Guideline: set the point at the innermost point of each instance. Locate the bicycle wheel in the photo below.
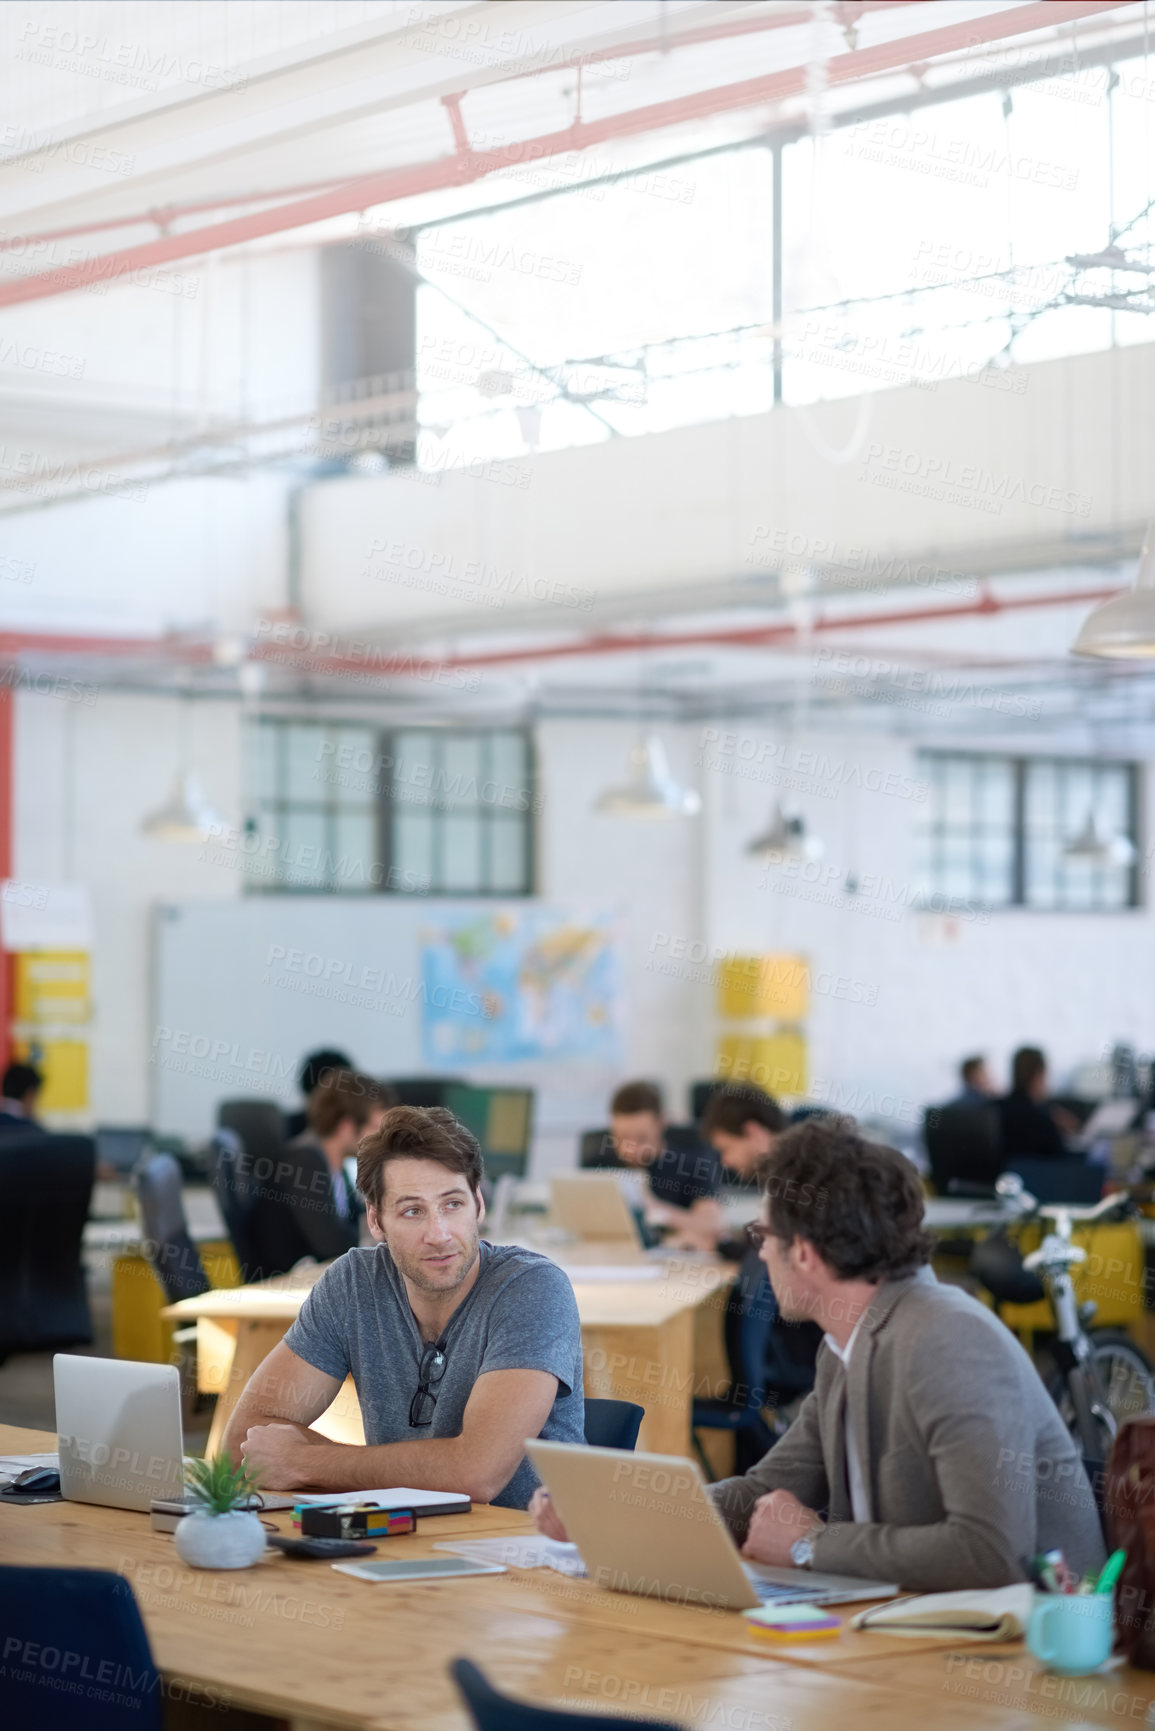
(1125, 1374)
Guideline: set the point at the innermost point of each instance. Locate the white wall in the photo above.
(85, 778)
(959, 469)
(896, 1000)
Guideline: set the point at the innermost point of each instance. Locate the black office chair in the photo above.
(763, 1370)
(700, 1096)
(236, 1190)
(168, 1243)
(1074, 1180)
(963, 1146)
(613, 1424)
(496, 1712)
(595, 1148)
(260, 1124)
(45, 1192)
(91, 1617)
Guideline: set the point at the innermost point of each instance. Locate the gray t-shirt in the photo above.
(520, 1315)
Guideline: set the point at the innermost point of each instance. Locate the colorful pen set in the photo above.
(1051, 1573)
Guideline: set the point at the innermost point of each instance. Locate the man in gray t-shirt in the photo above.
(459, 1349)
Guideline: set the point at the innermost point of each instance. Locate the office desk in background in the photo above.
(651, 1338)
(328, 1653)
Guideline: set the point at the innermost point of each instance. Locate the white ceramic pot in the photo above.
(232, 1541)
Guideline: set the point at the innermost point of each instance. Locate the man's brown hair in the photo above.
(636, 1097)
(345, 1094)
(859, 1203)
(417, 1133)
(731, 1108)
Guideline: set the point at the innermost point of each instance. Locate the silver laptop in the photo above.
(119, 1434)
(645, 1524)
(592, 1205)
(118, 1430)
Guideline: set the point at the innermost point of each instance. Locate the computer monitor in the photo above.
(502, 1121)
(121, 1147)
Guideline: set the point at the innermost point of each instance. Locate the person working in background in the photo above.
(1026, 1124)
(741, 1122)
(459, 1349)
(977, 1088)
(929, 1441)
(683, 1174)
(315, 1069)
(311, 1209)
(20, 1091)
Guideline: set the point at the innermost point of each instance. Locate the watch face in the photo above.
(802, 1553)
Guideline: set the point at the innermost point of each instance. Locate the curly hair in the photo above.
(859, 1203)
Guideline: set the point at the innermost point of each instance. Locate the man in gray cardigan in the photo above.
(929, 1452)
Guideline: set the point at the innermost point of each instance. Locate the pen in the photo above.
(1112, 1569)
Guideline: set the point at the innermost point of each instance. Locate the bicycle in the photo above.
(1097, 1377)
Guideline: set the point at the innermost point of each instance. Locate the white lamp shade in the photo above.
(187, 817)
(1099, 845)
(785, 839)
(1124, 627)
(651, 790)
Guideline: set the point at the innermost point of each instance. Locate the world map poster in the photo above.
(516, 984)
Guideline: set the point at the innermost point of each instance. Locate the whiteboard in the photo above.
(243, 989)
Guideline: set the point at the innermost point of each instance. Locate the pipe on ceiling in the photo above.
(183, 651)
(469, 166)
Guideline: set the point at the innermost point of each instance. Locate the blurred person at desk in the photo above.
(19, 1093)
(317, 1068)
(930, 1453)
(459, 1349)
(742, 1123)
(311, 1209)
(977, 1088)
(1027, 1124)
(682, 1172)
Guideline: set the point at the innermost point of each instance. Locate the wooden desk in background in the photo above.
(325, 1652)
(653, 1339)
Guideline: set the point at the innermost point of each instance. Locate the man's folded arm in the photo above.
(284, 1389)
(793, 1464)
(505, 1407)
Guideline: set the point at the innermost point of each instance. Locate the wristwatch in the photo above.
(802, 1550)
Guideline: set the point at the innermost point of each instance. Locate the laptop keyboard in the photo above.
(773, 1592)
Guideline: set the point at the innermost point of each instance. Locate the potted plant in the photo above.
(219, 1533)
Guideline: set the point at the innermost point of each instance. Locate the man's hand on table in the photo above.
(546, 1516)
(779, 1521)
(283, 1455)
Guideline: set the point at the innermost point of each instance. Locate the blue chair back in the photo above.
(236, 1191)
(613, 1424)
(168, 1243)
(496, 1712)
(82, 1662)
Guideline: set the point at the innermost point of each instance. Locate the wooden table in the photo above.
(653, 1340)
(329, 1653)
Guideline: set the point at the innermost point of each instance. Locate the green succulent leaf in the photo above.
(216, 1485)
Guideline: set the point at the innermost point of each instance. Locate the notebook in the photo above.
(998, 1615)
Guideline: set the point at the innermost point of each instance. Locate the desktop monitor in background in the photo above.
(502, 1121)
(120, 1148)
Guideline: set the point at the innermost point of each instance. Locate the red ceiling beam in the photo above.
(469, 166)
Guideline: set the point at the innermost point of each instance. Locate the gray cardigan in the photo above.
(969, 1468)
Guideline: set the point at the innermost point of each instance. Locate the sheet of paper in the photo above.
(520, 1553)
(397, 1496)
(10, 1465)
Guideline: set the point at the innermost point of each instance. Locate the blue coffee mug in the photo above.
(1072, 1633)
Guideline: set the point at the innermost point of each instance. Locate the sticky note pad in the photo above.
(792, 1623)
